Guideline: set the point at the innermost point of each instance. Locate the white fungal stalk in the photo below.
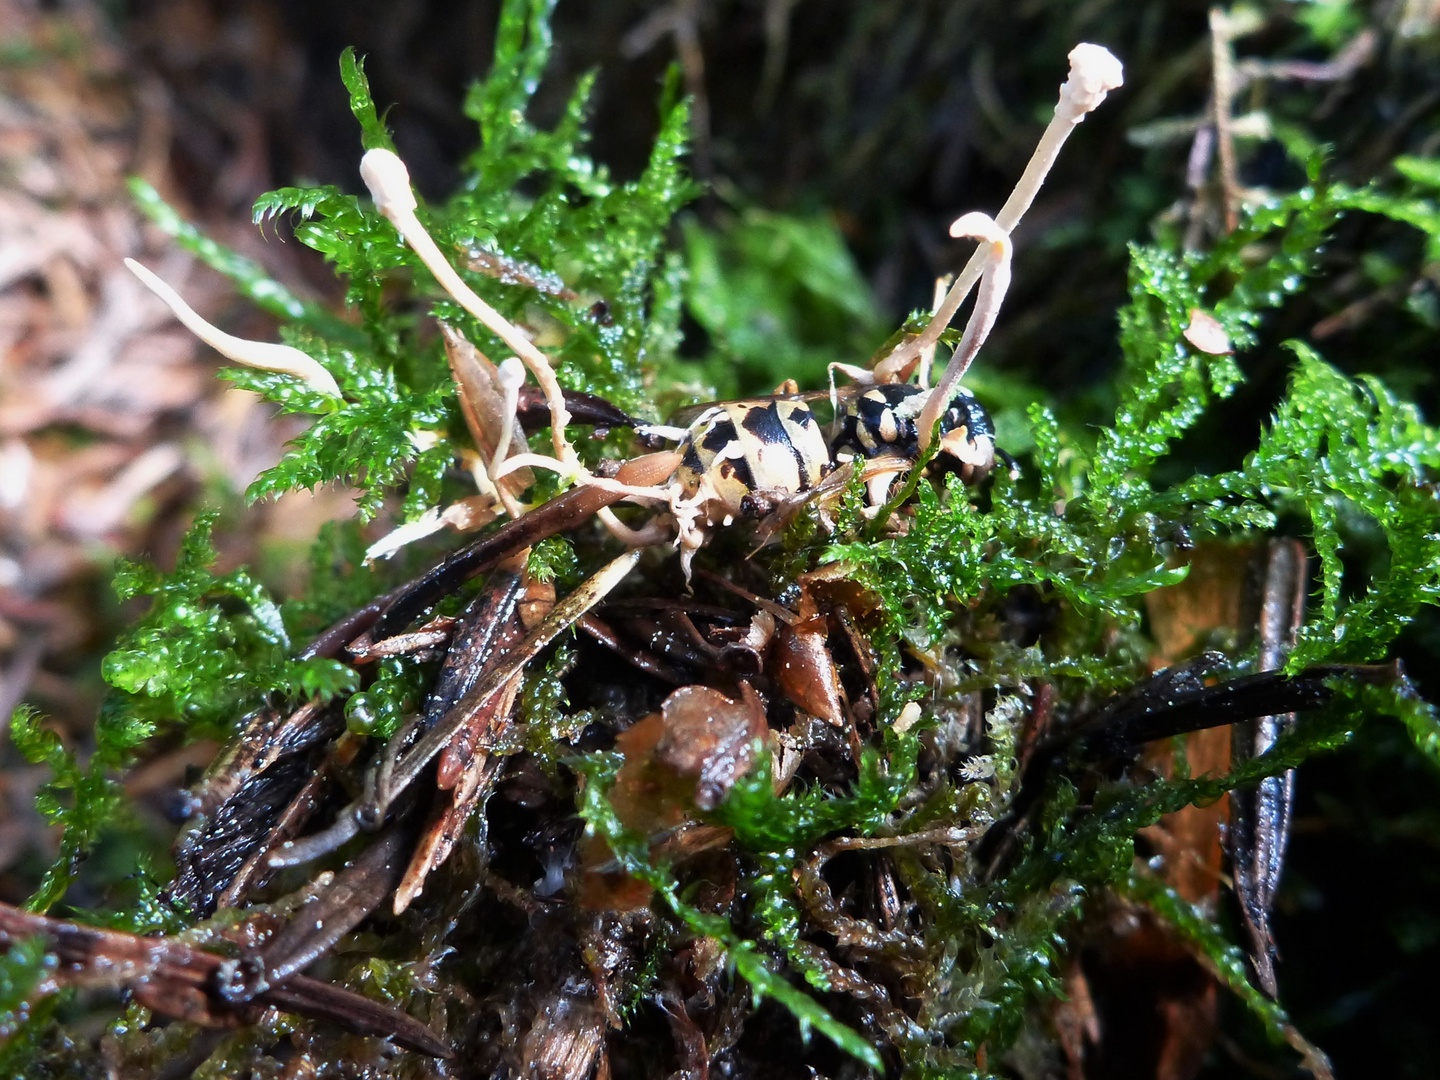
(511, 376)
(927, 354)
(681, 509)
(265, 355)
(1094, 72)
(389, 183)
(994, 256)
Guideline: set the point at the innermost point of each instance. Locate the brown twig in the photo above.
(1222, 61)
(180, 981)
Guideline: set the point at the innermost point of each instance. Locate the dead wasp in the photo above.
(881, 421)
(735, 452)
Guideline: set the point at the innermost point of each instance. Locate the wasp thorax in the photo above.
(742, 448)
(882, 421)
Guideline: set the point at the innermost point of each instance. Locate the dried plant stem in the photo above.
(1223, 64)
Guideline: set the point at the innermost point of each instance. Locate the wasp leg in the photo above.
(655, 531)
(561, 513)
(617, 528)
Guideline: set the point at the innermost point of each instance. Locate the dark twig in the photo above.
(179, 980)
(1260, 816)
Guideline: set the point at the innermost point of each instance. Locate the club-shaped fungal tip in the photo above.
(511, 373)
(388, 180)
(978, 226)
(1094, 72)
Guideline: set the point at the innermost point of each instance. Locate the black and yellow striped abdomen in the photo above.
(743, 447)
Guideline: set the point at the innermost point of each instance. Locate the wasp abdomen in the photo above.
(743, 447)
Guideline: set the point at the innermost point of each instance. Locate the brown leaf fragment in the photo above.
(655, 791)
(490, 627)
(564, 1040)
(482, 402)
(689, 1039)
(802, 666)
(450, 812)
(1185, 616)
(465, 776)
(536, 603)
(711, 737)
(433, 634)
(647, 798)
